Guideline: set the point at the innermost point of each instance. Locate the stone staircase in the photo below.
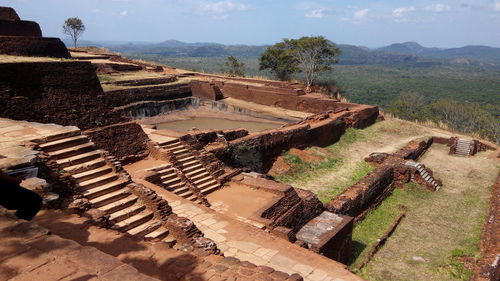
(105, 188)
(424, 174)
(463, 147)
(190, 167)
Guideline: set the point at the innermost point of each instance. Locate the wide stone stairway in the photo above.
(191, 168)
(104, 187)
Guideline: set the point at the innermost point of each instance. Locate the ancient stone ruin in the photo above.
(182, 202)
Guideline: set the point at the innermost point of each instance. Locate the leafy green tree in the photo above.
(409, 106)
(74, 28)
(279, 61)
(233, 67)
(309, 55)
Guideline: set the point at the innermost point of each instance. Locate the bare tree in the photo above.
(313, 55)
(73, 27)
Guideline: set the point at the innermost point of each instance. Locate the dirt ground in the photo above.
(240, 202)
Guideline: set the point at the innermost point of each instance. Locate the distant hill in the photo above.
(399, 54)
(478, 53)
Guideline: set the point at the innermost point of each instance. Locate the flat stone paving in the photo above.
(14, 133)
(28, 252)
(249, 243)
(156, 260)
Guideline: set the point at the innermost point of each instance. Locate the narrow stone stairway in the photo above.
(424, 174)
(463, 148)
(105, 189)
(191, 167)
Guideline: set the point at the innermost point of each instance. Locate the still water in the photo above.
(205, 123)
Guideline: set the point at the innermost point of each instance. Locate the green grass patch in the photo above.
(303, 171)
(350, 137)
(455, 267)
(378, 221)
(360, 171)
(105, 78)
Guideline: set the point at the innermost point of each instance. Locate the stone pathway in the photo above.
(28, 252)
(249, 243)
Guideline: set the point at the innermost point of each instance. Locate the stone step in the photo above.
(91, 174)
(127, 212)
(166, 171)
(194, 172)
(170, 240)
(168, 176)
(202, 186)
(182, 154)
(67, 134)
(134, 221)
(160, 168)
(189, 164)
(198, 176)
(174, 149)
(176, 186)
(86, 166)
(64, 143)
(158, 234)
(119, 205)
(103, 189)
(210, 189)
(72, 151)
(171, 181)
(187, 159)
(145, 228)
(169, 142)
(181, 190)
(110, 198)
(427, 177)
(192, 198)
(186, 194)
(203, 180)
(104, 179)
(79, 159)
(179, 151)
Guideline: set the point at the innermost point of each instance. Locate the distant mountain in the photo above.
(407, 48)
(478, 53)
(399, 54)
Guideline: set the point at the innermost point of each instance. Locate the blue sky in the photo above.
(442, 23)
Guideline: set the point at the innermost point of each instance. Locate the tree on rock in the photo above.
(233, 67)
(309, 55)
(73, 27)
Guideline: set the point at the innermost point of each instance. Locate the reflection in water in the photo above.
(204, 123)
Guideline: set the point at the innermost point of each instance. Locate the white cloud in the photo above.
(222, 7)
(438, 8)
(124, 13)
(361, 14)
(399, 13)
(497, 6)
(318, 13)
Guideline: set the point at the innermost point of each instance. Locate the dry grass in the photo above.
(437, 224)
(10, 59)
(111, 87)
